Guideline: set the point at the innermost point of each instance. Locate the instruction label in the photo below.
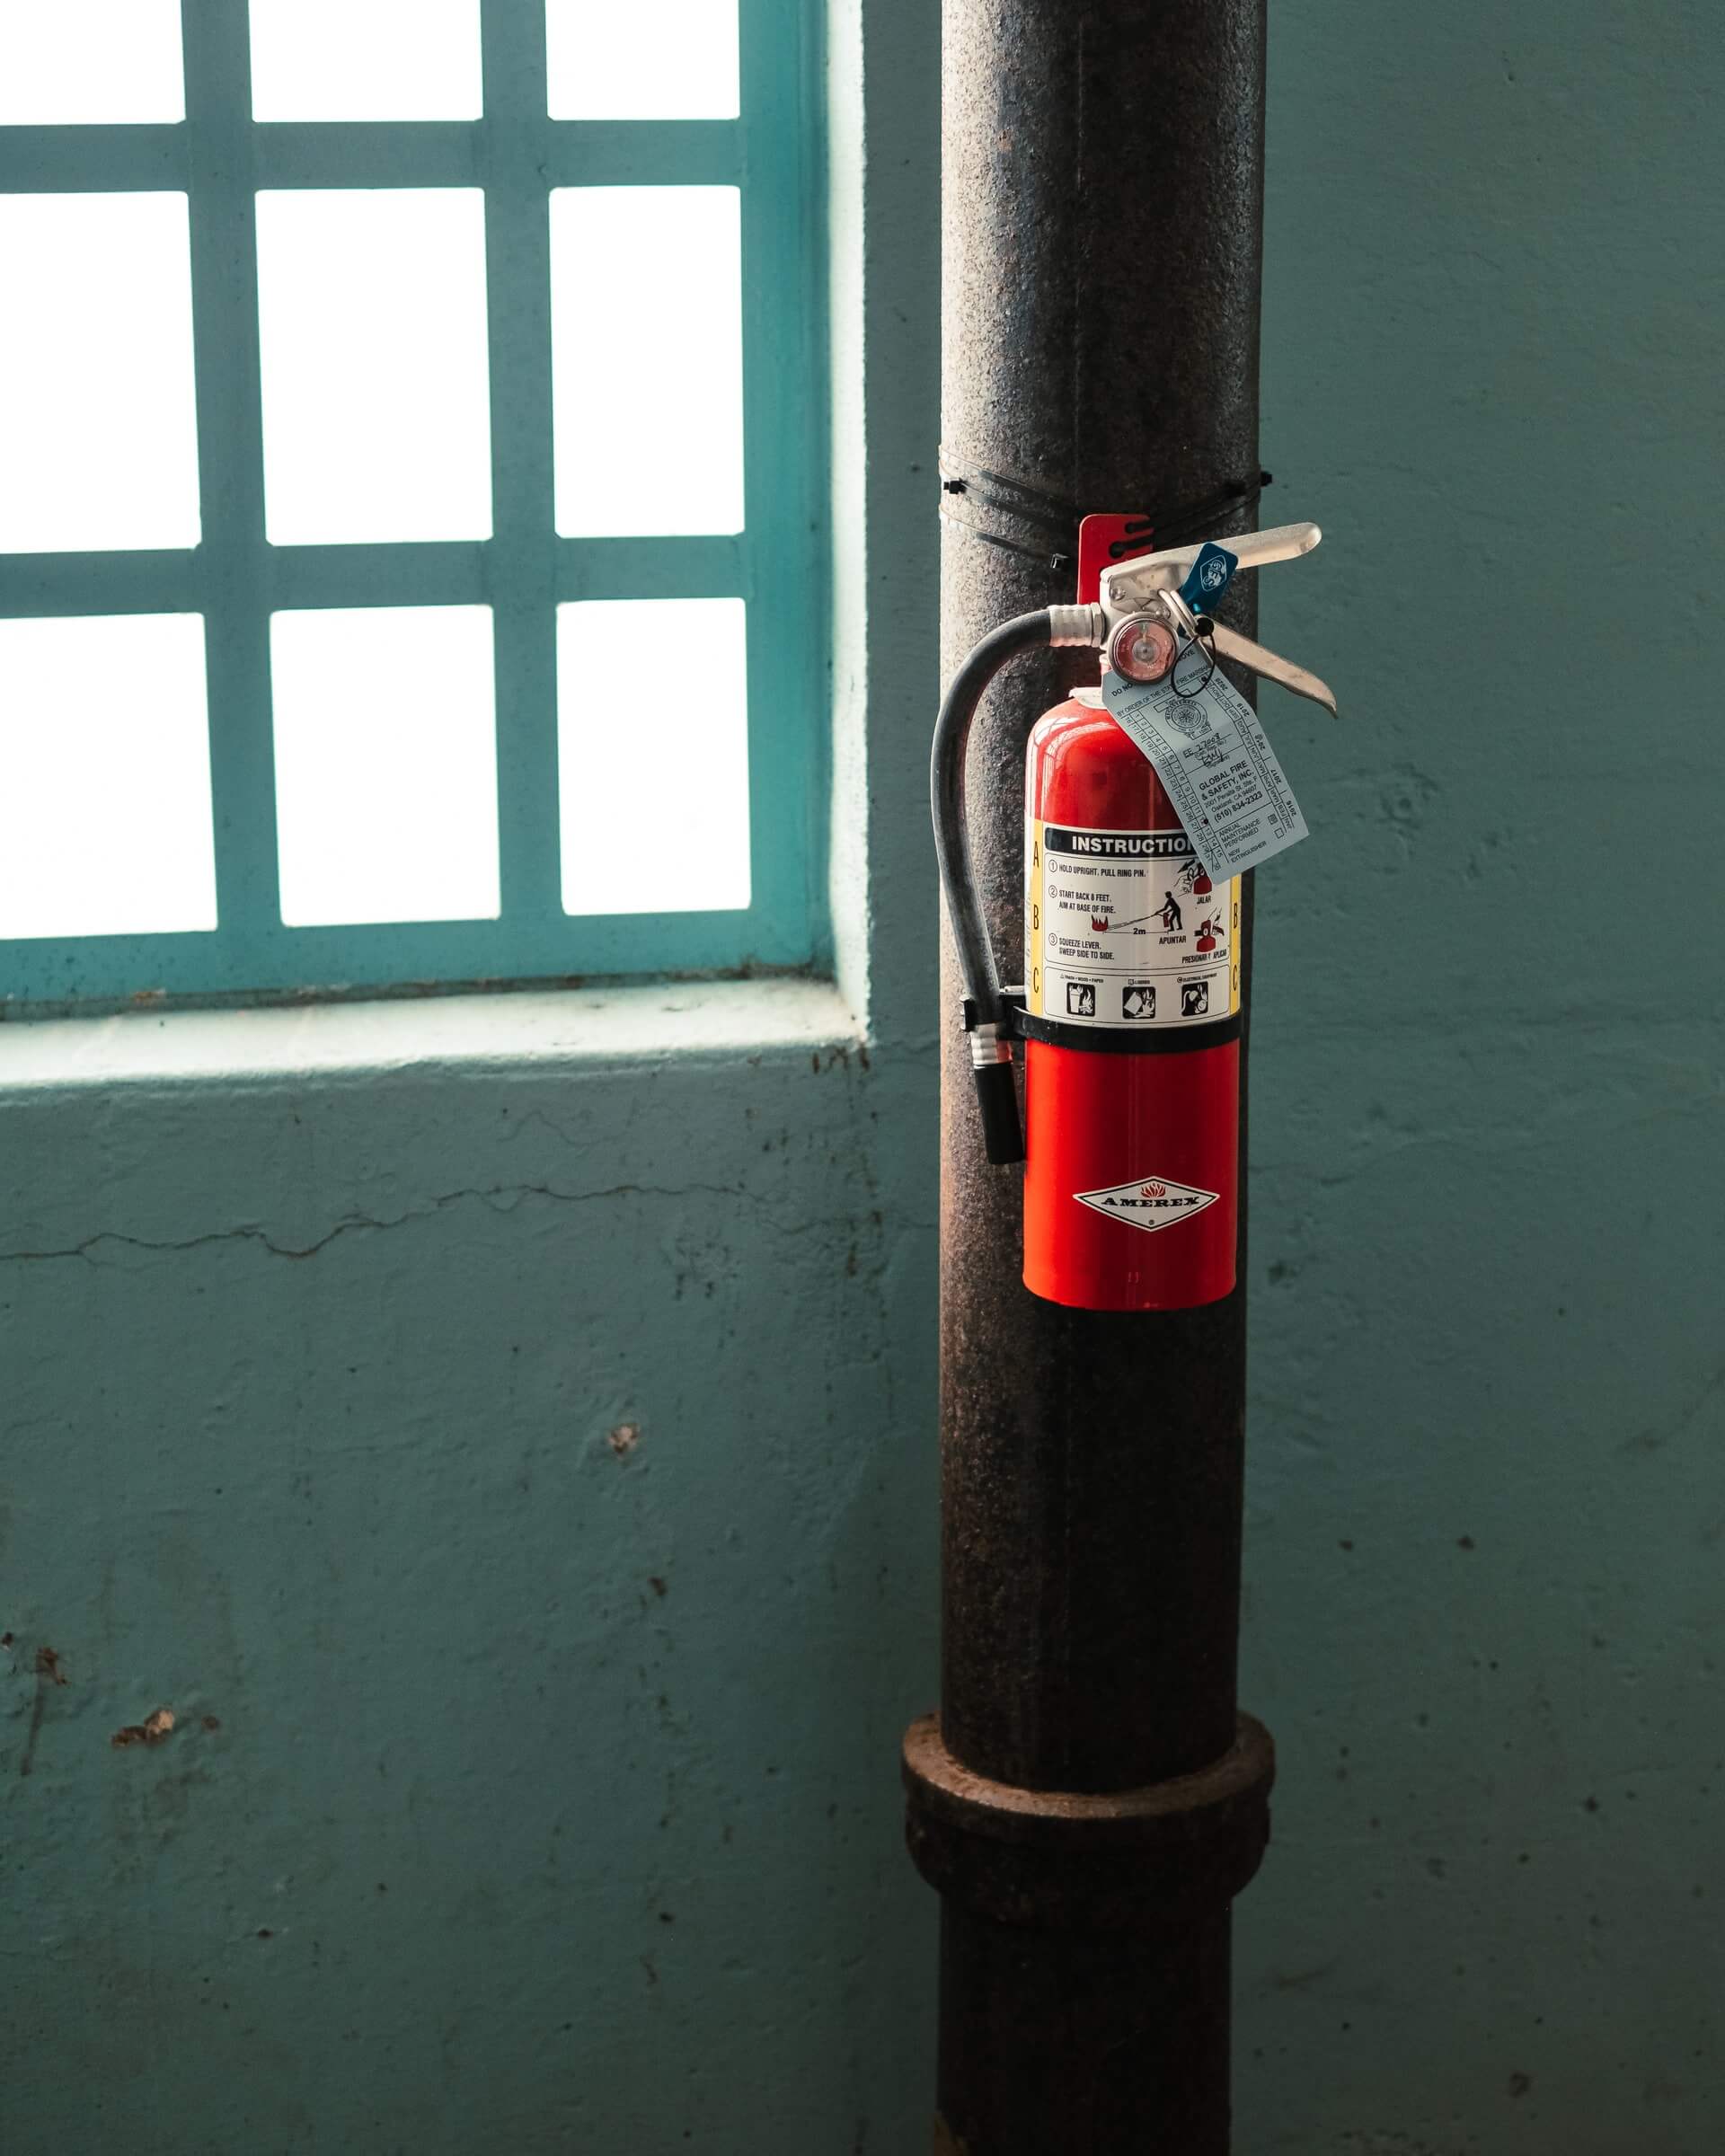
(1219, 770)
(1127, 928)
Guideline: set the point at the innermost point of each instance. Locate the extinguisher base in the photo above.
(1108, 1297)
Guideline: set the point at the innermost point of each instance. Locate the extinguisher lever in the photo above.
(1243, 652)
(1146, 587)
(987, 1012)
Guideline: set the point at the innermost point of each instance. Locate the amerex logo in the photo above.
(1150, 1203)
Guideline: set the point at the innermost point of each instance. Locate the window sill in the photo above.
(525, 1029)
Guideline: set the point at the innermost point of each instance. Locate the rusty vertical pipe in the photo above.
(1088, 1800)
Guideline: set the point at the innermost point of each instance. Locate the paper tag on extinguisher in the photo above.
(1221, 774)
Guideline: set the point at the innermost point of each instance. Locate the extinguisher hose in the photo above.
(988, 1017)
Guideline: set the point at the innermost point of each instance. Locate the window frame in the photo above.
(220, 158)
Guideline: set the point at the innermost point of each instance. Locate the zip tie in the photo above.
(956, 479)
(1055, 561)
(994, 490)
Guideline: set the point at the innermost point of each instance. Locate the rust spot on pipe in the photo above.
(49, 1665)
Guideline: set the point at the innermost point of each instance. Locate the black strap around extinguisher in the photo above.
(1128, 1040)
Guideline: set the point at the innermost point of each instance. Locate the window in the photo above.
(412, 441)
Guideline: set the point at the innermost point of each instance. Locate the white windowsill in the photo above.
(456, 1033)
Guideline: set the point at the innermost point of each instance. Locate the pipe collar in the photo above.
(1058, 1860)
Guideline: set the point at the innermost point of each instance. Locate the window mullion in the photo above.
(785, 449)
(231, 561)
(116, 156)
(521, 559)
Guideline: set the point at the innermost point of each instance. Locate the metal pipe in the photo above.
(1089, 1800)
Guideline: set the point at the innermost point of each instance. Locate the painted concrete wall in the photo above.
(510, 1464)
(1486, 1542)
(502, 1435)
(516, 1483)
(503, 1439)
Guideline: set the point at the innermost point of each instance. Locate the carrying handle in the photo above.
(1125, 584)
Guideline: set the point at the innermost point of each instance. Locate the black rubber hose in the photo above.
(1002, 1135)
(946, 790)
(1003, 1132)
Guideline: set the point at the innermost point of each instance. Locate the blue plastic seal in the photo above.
(1209, 578)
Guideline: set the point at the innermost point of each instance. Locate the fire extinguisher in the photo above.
(1130, 1012)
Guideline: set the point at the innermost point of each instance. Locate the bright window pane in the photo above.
(654, 794)
(104, 770)
(67, 63)
(647, 348)
(98, 430)
(599, 66)
(365, 59)
(385, 764)
(371, 306)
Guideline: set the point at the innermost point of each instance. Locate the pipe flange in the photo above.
(1058, 1860)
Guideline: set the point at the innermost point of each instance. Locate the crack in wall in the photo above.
(491, 1196)
(1659, 1433)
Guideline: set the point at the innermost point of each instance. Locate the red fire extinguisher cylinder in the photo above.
(1132, 1068)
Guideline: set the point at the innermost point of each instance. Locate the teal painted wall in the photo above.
(1486, 1541)
(518, 1486)
(551, 1803)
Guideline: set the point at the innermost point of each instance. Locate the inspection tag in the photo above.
(1215, 766)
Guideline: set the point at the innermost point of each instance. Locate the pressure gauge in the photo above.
(1143, 648)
